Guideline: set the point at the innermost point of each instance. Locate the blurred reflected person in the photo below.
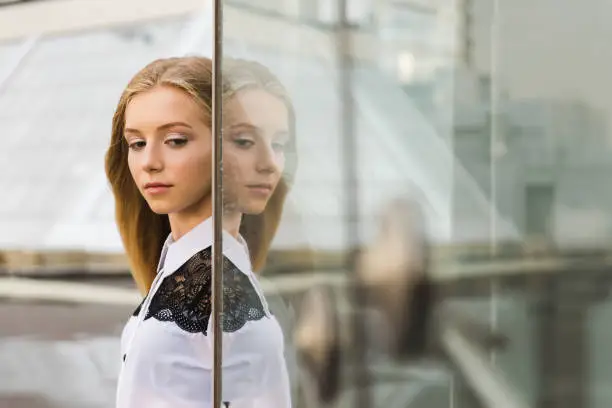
(159, 166)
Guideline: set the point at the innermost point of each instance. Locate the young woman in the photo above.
(159, 166)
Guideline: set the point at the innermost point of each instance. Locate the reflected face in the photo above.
(255, 136)
(170, 150)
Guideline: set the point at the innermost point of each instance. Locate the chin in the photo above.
(254, 209)
(160, 208)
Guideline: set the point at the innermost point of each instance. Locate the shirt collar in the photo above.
(201, 237)
(164, 251)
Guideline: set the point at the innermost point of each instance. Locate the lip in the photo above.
(261, 188)
(156, 188)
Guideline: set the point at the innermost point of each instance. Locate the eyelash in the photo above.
(247, 143)
(279, 146)
(174, 142)
(244, 143)
(134, 145)
(178, 142)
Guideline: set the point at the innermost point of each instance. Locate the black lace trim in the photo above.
(137, 310)
(185, 297)
(241, 302)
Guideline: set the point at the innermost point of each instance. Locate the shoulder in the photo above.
(185, 296)
(242, 298)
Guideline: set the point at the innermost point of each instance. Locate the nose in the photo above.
(268, 160)
(152, 160)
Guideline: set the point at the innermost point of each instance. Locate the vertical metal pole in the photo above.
(349, 150)
(495, 142)
(468, 45)
(451, 391)
(217, 198)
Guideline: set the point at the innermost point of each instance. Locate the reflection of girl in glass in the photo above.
(159, 167)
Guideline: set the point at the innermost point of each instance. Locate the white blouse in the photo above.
(167, 343)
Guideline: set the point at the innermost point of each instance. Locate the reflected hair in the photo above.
(259, 229)
(144, 232)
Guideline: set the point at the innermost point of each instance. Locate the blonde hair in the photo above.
(144, 232)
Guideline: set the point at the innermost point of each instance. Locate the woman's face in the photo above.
(256, 130)
(170, 150)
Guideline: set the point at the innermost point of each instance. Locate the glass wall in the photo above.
(531, 131)
(445, 166)
(490, 115)
(373, 140)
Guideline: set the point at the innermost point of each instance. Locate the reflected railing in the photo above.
(464, 356)
(486, 380)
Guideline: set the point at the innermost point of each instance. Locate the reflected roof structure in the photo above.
(56, 111)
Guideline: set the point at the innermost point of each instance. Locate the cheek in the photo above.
(233, 165)
(280, 162)
(195, 170)
(131, 162)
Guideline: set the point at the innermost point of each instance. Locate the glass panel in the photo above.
(373, 143)
(495, 133)
(538, 148)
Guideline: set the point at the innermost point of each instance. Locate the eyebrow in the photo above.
(243, 124)
(251, 126)
(162, 127)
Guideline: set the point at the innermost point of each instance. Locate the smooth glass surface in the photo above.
(491, 115)
(373, 125)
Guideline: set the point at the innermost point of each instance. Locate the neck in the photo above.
(183, 222)
(231, 223)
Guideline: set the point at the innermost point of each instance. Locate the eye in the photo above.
(136, 145)
(243, 142)
(177, 142)
(279, 147)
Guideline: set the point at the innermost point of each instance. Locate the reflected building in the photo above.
(550, 157)
(539, 100)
